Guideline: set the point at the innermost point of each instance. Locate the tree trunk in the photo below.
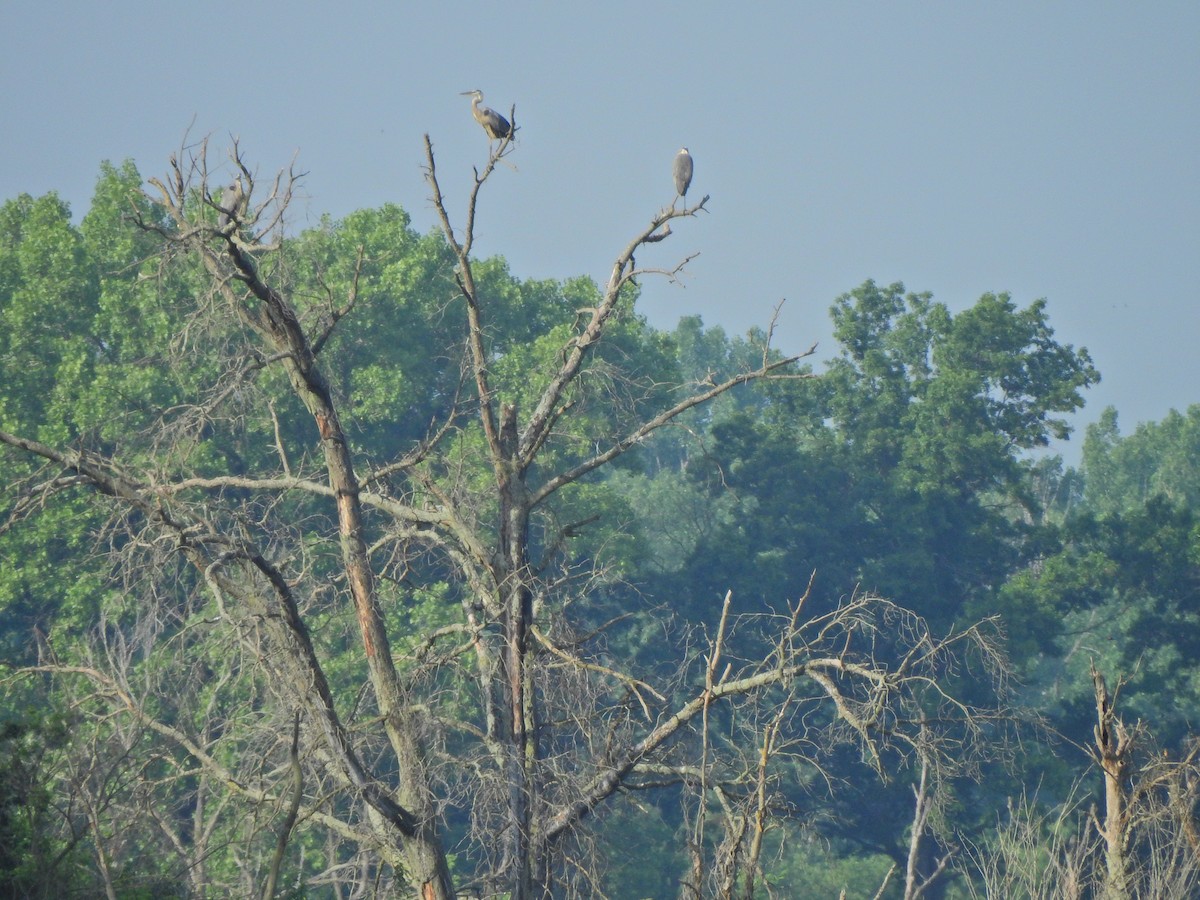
(276, 322)
(517, 595)
(1113, 747)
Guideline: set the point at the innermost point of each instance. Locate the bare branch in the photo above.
(632, 683)
(289, 821)
(640, 434)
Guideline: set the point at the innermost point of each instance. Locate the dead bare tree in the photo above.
(914, 884)
(1138, 842)
(1148, 824)
(509, 710)
(893, 706)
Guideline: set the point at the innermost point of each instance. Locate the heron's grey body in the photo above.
(493, 123)
(231, 201)
(682, 169)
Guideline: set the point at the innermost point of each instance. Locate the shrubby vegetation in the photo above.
(342, 563)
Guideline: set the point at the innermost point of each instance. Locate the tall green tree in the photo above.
(1158, 459)
(1115, 582)
(901, 470)
(1121, 591)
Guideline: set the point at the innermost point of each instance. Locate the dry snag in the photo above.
(472, 750)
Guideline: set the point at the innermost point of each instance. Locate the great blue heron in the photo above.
(682, 170)
(493, 123)
(230, 203)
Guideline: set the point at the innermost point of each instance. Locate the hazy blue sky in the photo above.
(1045, 149)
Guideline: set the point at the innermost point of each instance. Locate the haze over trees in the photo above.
(342, 562)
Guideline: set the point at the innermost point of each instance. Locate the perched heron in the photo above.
(493, 123)
(230, 203)
(682, 170)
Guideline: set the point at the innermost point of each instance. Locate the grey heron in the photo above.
(682, 170)
(230, 204)
(493, 123)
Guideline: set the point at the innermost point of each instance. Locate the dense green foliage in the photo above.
(902, 467)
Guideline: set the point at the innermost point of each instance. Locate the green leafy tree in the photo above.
(1114, 581)
(1122, 592)
(1158, 459)
(37, 860)
(49, 295)
(901, 470)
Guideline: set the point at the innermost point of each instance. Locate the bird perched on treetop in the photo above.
(230, 203)
(493, 123)
(682, 170)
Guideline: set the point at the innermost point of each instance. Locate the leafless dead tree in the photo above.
(1140, 842)
(508, 709)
